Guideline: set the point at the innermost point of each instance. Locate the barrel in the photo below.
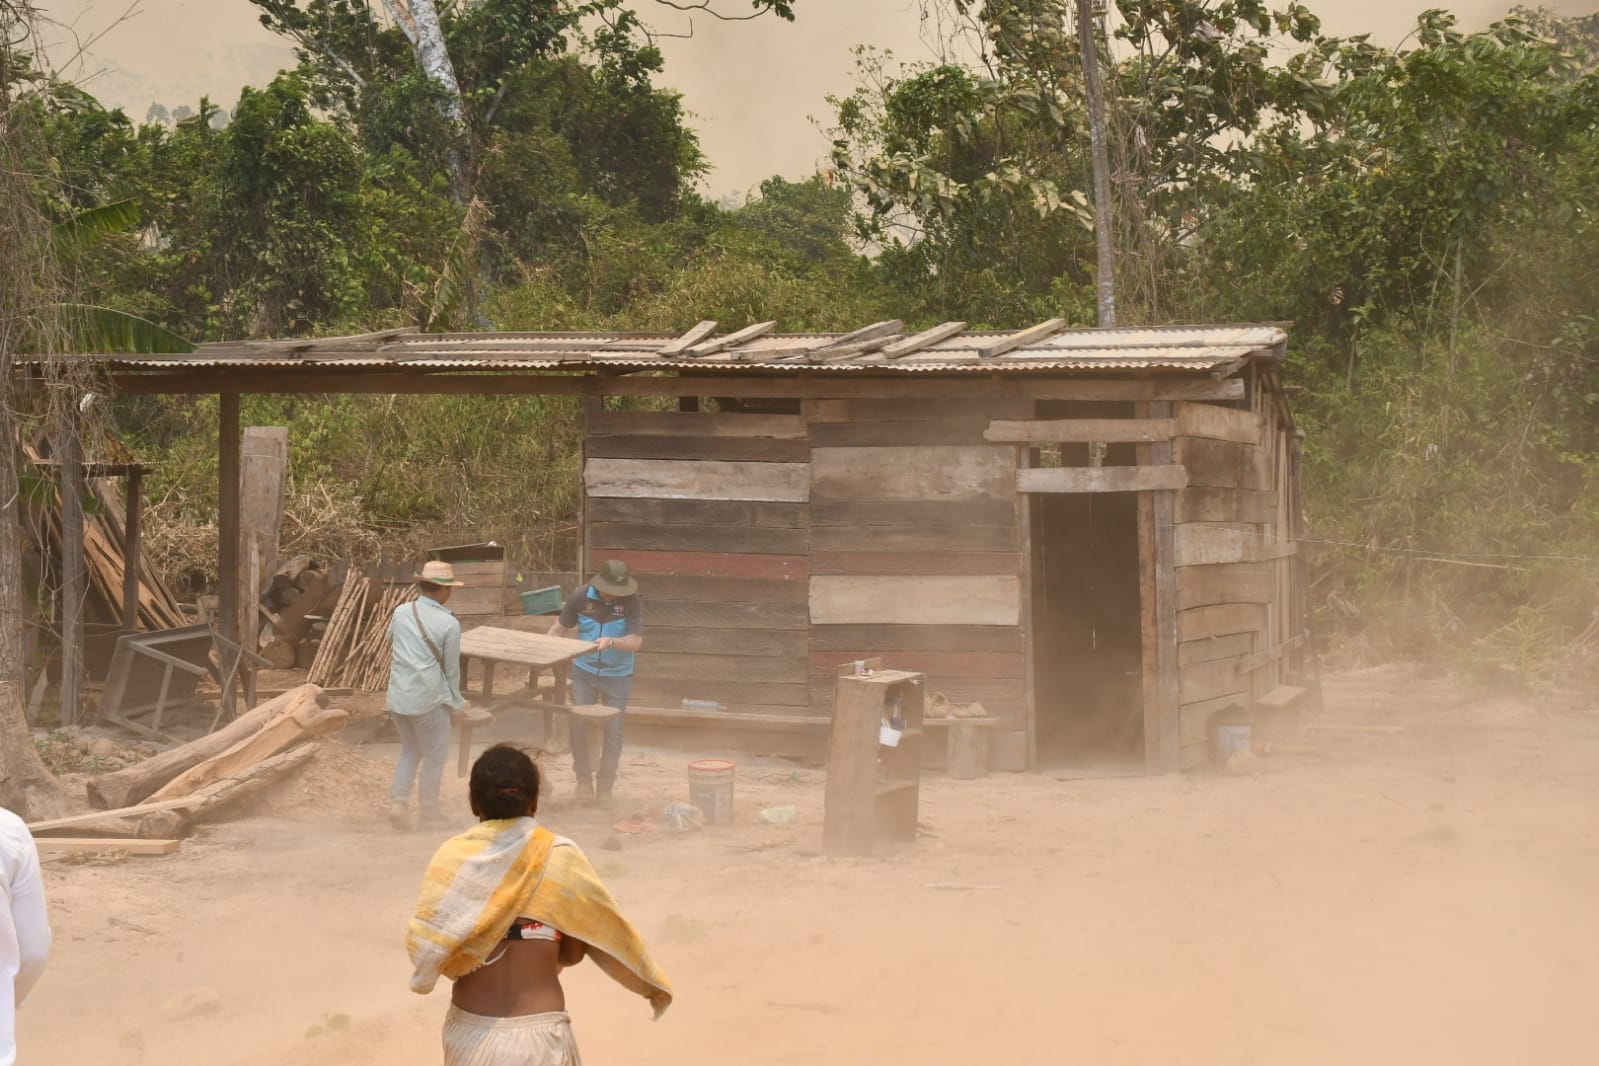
(710, 788)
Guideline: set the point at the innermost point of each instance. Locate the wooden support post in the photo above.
(69, 446)
(1157, 514)
(134, 509)
(229, 570)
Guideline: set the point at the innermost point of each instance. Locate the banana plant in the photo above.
(94, 327)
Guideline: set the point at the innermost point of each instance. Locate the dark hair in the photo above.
(505, 783)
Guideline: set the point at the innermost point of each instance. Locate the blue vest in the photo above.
(595, 619)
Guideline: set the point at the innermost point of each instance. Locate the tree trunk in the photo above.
(1106, 271)
(419, 21)
(26, 784)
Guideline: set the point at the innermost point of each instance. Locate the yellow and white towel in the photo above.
(480, 880)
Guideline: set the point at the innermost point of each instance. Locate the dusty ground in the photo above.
(1426, 896)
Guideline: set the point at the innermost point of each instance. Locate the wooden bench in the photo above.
(965, 747)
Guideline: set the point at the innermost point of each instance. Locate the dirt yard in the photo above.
(1429, 895)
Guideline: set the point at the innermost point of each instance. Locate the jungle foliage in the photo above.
(1424, 214)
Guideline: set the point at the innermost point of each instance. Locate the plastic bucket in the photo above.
(1231, 737)
(710, 788)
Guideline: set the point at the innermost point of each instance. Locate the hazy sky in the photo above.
(753, 87)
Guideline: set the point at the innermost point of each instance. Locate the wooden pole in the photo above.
(228, 525)
(1105, 284)
(130, 549)
(73, 574)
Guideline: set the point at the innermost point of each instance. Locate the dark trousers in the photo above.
(612, 692)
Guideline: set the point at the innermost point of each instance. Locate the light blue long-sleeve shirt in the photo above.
(416, 683)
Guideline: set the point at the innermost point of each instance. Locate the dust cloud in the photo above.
(754, 88)
(1412, 883)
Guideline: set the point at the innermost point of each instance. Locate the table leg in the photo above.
(488, 679)
(463, 760)
(563, 675)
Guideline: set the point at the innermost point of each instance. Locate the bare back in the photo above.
(524, 978)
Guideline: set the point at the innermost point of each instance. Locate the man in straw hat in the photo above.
(424, 687)
(609, 613)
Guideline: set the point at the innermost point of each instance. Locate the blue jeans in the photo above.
(612, 692)
(424, 739)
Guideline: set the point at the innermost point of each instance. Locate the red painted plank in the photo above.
(708, 564)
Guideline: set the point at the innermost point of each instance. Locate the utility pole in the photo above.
(1105, 288)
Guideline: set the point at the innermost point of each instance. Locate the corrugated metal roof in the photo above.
(1198, 349)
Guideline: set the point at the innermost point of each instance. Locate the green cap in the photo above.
(614, 580)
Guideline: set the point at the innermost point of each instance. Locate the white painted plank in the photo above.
(1101, 479)
(698, 480)
(978, 601)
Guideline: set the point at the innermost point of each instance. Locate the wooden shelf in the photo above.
(888, 788)
(873, 792)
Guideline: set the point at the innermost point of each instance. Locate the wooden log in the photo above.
(279, 652)
(299, 721)
(227, 795)
(132, 784)
(305, 654)
(93, 818)
(90, 845)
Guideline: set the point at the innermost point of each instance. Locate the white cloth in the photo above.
(24, 926)
(531, 1040)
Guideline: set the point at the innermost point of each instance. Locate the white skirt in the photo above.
(530, 1040)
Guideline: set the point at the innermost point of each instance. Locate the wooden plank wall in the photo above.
(710, 511)
(1229, 565)
(916, 551)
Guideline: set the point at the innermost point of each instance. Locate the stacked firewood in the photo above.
(354, 651)
(297, 602)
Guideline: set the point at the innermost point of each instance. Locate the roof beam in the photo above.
(748, 333)
(688, 340)
(1022, 339)
(925, 339)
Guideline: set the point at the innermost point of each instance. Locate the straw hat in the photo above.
(437, 573)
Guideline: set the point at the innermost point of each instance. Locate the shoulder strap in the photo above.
(438, 656)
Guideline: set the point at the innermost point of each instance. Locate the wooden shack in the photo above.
(1089, 532)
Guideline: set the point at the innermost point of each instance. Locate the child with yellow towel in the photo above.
(504, 908)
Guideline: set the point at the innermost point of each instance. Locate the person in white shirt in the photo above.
(24, 926)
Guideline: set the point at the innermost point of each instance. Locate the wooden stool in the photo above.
(470, 718)
(968, 749)
(592, 716)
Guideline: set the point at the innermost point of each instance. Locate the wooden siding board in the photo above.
(829, 539)
(1222, 464)
(646, 564)
(697, 480)
(898, 434)
(697, 424)
(1221, 619)
(714, 590)
(889, 639)
(698, 640)
(916, 410)
(1100, 478)
(737, 513)
(921, 600)
(739, 449)
(670, 692)
(694, 668)
(718, 616)
(639, 536)
(1219, 423)
(947, 564)
(1204, 544)
(1211, 680)
(1200, 586)
(1231, 646)
(940, 665)
(1082, 430)
(995, 512)
(1225, 505)
(1196, 717)
(930, 473)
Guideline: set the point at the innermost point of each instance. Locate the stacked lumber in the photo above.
(354, 652)
(195, 781)
(102, 548)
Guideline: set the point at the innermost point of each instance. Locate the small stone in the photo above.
(195, 1003)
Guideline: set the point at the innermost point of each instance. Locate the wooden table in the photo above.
(536, 651)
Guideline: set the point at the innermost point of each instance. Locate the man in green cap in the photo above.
(609, 613)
